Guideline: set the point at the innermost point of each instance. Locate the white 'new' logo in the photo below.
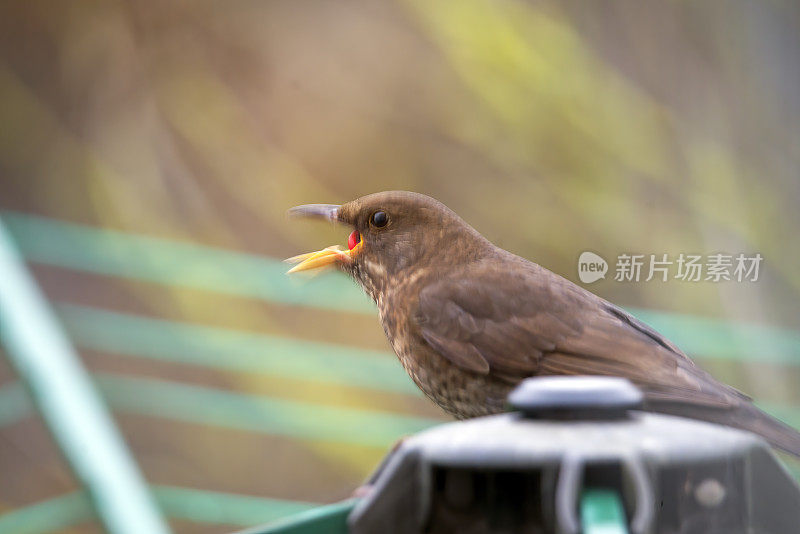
(591, 267)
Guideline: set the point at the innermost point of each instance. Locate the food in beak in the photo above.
(327, 256)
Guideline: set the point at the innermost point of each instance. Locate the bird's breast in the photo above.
(462, 394)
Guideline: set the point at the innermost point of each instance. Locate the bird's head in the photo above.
(393, 232)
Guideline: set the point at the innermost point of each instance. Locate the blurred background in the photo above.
(149, 151)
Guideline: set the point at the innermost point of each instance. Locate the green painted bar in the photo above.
(203, 506)
(233, 350)
(713, 338)
(602, 512)
(49, 516)
(180, 264)
(267, 415)
(187, 504)
(328, 519)
(176, 263)
(302, 420)
(59, 386)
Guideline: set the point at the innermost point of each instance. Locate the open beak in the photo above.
(329, 255)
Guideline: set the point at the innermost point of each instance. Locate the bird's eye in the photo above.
(379, 219)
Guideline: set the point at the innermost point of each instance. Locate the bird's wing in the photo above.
(525, 321)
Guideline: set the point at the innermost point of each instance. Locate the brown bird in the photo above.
(469, 320)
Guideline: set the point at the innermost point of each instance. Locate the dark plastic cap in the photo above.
(575, 397)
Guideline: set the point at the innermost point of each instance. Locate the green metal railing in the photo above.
(329, 519)
(185, 265)
(602, 512)
(72, 410)
(255, 413)
(199, 506)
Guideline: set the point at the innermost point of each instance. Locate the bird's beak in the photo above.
(329, 255)
(318, 211)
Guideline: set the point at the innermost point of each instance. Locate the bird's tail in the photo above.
(776, 432)
(746, 416)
